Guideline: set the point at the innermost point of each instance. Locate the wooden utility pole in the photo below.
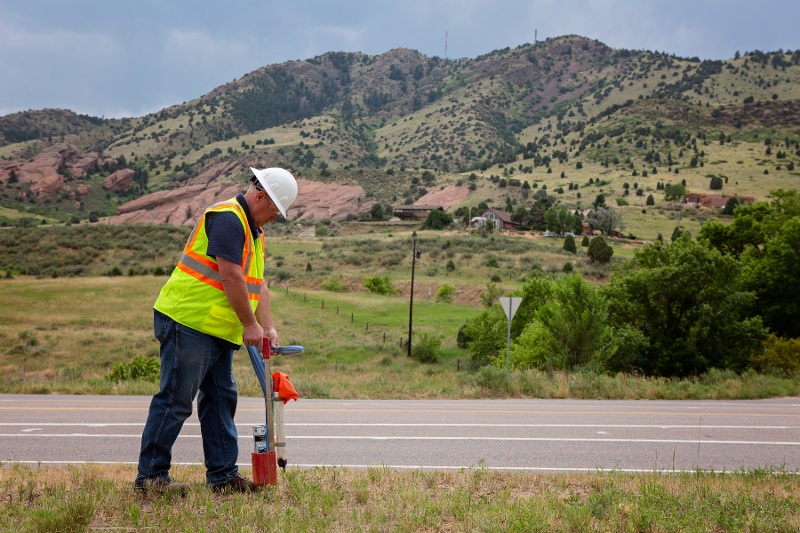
(411, 296)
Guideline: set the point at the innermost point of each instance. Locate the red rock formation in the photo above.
(184, 205)
(318, 200)
(121, 180)
(48, 172)
(447, 197)
(53, 169)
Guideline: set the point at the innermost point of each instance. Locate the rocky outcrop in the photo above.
(224, 168)
(318, 200)
(58, 168)
(49, 172)
(184, 205)
(121, 180)
(181, 206)
(446, 197)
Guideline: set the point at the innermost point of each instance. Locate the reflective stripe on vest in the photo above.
(205, 268)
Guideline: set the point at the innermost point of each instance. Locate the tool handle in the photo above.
(287, 350)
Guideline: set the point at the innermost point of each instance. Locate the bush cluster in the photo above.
(379, 285)
(426, 349)
(141, 367)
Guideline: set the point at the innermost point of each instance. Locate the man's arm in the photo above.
(235, 288)
(264, 315)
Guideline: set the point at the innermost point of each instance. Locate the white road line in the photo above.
(404, 438)
(389, 424)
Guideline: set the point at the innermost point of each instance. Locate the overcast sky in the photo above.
(129, 58)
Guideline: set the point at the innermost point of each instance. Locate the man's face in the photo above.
(266, 210)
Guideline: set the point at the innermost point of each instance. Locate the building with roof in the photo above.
(495, 217)
(415, 212)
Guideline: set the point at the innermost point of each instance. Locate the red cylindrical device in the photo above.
(265, 468)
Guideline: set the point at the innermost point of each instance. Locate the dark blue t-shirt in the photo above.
(226, 234)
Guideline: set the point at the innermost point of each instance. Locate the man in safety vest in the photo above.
(216, 300)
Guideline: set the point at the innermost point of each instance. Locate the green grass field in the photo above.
(67, 335)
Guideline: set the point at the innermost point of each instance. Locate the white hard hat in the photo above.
(280, 186)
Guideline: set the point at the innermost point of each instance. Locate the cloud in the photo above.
(51, 65)
(197, 49)
(333, 38)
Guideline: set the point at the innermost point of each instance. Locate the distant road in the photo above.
(533, 435)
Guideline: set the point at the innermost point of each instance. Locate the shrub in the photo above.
(321, 231)
(599, 251)
(333, 284)
(438, 219)
(282, 274)
(567, 267)
(492, 293)
(494, 380)
(779, 356)
(451, 266)
(585, 241)
(140, 367)
(569, 244)
(426, 349)
(379, 285)
(446, 294)
(462, 339)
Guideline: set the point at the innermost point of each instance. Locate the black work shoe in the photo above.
(161, 486)
(237, 483)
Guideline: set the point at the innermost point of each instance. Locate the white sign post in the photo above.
(510, 306)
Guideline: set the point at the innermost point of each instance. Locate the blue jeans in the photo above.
(190, 362)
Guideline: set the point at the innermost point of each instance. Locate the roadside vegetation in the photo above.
(94, 497)
(712, 317)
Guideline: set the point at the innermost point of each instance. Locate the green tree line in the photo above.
(729, 299)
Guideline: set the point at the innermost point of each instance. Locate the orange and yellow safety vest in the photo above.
(194, 296)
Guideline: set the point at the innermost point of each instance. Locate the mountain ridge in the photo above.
(381, 122)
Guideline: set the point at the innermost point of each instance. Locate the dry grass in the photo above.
(98, 497)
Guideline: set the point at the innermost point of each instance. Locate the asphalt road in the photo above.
(535, 435)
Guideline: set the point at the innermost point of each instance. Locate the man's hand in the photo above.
(253, 335)
(272, 335)
(236, 290)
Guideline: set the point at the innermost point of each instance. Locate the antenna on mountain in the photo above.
(445, 39)
(535, 33)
